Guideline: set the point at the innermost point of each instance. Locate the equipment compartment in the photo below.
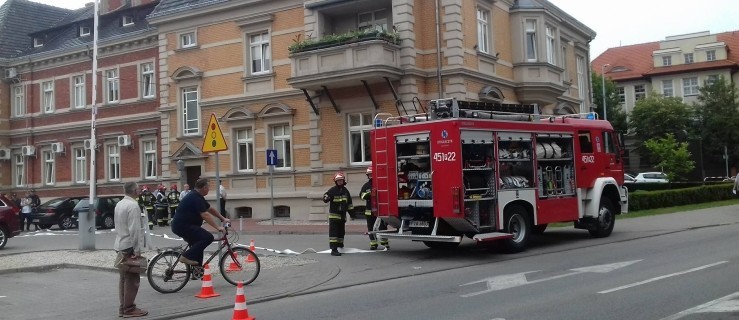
(414, 169)
(514, 158)
(555, 166)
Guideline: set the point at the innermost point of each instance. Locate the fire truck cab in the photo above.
(492, 171)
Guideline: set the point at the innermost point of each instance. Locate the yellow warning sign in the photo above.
(214, 140)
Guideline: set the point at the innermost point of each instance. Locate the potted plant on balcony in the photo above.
(309, 43)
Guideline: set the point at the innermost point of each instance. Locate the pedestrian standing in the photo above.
(129, 242)
(366, 194)
(26, 211)
(340, 202)
(222, 190)
(185, 191)
(174, 200)
(146, 202)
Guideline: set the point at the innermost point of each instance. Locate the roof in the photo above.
(19, 18)
(171, 7)
(637, 61)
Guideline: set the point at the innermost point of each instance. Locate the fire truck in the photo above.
(493, 172)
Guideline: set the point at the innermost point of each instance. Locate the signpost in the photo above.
(215, 142)
(271, 161)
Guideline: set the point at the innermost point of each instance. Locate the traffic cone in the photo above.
(206, 291)
(250, 258)
(240, 312)
(233, 266)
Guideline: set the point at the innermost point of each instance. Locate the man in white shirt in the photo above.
(222, 190)
(129, 242)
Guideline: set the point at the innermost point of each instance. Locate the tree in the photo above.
(672, 156)
(657, 116)
(716, 119)
(615, 114)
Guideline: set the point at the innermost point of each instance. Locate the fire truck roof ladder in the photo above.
(399, 103)
(452, 108)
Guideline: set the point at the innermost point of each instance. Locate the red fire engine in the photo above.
(492, 171)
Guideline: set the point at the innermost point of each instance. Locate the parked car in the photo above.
(9, 220)
(104, 210)
(56, 211)
(629, 178)
(651, 177)
(735, 190)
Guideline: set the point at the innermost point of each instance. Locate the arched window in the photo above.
(490, 93)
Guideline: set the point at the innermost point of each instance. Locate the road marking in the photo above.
(662, 277)
(724, 304)
(3, 296)
(508, 281)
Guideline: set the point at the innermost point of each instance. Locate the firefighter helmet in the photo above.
(369, 170)
(145, 188)
(162, 188)
(174, 187)
(339, 176)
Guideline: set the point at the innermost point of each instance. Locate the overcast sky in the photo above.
(620, 22)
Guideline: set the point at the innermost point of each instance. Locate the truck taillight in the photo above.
(373, 201)
(456, 203)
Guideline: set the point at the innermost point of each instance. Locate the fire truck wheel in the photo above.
(539, 229)
(606, 219)
(517, 223)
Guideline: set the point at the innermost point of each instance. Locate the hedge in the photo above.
(643, 200)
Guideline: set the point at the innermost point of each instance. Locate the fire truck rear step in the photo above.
(492, 236)
(418, 237)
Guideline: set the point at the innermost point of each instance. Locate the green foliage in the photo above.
(717, 119)
(672, 156)
(642, 200)
(656, 116)
(614, 111)
(309, 43)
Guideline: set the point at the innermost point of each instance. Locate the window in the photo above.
(711, 55)
(281, 142)
(114, 163)
(282, 212)
(359, 142)
(531, 40)
(47, 98)
(150, 159)
(80, 165)
(190, 112)
(19, 101)
(127, 20)
(260, 54)
(147, 80)
(483, 30)
(550, 46)
(244, 150)
(688, 58)
(667, 90)
(690, 87)
(667, 61)
(84, 31)
(374, 20)
(621, 95)
(187, 40)
(581, 82)
(20, 170)
(78, 91)
(711, 79)
(112, 86)
(586, 144)
(640, 92)
(564, 62)
(49, 165)
(38, 42)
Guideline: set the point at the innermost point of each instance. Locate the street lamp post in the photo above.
(603, 85)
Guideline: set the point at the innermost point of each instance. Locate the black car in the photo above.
(56, 211)
(104, 210)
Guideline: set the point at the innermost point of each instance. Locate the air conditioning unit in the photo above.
(28, 151)
(89, 144)
(57, 147)
(11, 73)
(4, 154)
(124, 140)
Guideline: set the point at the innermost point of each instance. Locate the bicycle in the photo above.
(237, 264)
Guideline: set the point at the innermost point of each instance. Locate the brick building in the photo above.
(248, 62)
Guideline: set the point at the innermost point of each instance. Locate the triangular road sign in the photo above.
(214, 141)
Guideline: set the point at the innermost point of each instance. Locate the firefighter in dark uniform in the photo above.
(340, 201)
(365, 194)
(146, 202)
(174, 200)
(162, 206)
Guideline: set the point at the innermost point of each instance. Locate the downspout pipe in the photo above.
(438, 50)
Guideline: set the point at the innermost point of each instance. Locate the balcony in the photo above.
(342, 63)
(540, 83)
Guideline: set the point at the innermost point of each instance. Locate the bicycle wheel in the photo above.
(242, 266)
(166, 274)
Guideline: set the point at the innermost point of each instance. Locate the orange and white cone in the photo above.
(240, 311)
(233, 266)
(206, 291)
(250, 258)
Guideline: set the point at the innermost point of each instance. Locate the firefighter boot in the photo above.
(373, 247)
(335, 252)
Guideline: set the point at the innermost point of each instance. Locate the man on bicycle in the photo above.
(188, 221)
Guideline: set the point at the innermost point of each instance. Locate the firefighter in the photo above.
(162, 206)
(146, 202)
(365, 194)
(174, 200)
(340, 202)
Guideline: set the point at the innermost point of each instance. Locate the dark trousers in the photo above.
(198, 239)
(128, 287)
(336, 230)
(223, 207)
(26, 217)
(150, 215)
(371, 225)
